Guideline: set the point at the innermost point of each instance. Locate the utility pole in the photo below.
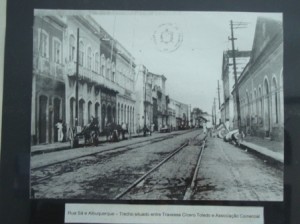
(219, 95)
(77, 76)
(235, 78)
(219, 102)
(145, 82)
(215, 110)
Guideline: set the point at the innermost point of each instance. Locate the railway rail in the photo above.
(121, 149)
(189, 189)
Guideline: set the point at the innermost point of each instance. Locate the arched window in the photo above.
(81, 53)
(102, 70)
(107, 72)
(89, 111)
(122, 113)
(260, 102)
(97, 105)
(89, 58)
(72, 48)
(97, 62)
(81, 112)
(275, 101)
(113, 68)
(254, 102)
(57, 55)
(44, 44)
(118, 113)
(267, 117)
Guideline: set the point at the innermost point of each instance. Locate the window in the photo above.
(102, 70)
(56, 51)
(89, 58)
(44, 44)
(113, 72)
(72, 48)
(81, 53)
(97, 62)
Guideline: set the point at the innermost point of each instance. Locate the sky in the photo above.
(194, 67)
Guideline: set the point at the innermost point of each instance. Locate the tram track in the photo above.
(190, 185)
(117, 150)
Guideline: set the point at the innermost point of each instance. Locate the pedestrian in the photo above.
(123, 130)
(204, 128)
(64, 131)
(209, 128)
(59, 126)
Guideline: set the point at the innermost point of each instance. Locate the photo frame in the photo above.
(16, 141)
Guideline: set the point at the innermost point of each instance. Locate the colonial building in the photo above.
(79, 72)
(261, 83)
(180, 112)
(125, 78)
(143, 103)
(160, 100)
(242, 58)
(48, 78)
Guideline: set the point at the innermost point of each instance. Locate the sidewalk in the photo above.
(57, 146)
(272, 149)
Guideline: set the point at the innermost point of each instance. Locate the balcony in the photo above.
(44, 67)
(90, 76)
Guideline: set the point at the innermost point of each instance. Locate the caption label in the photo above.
(165, 214)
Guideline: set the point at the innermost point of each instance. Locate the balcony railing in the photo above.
(45, 67)
(89, 75)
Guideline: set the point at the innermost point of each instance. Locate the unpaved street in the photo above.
(226, 172)
(105, 175)
(229, 173)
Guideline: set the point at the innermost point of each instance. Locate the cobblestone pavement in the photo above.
(229, 173)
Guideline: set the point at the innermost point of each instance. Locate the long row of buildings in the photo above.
(77, 62)
(260, 83)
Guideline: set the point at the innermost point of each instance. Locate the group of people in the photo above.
(111, 130)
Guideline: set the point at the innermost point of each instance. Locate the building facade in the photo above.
(144, 101)
(180, 114)
(242, 58)
(125, 78)
(261, 83)
(48, 78)
(160, 101)
(78, 73)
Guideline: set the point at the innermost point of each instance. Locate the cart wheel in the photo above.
(95, 140)
(72, 139)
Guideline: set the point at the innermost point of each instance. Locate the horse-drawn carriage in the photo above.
(88, 135)
(114, 132)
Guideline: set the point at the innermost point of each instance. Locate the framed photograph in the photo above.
(154, 113)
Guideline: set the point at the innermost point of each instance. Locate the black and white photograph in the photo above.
(157, 105)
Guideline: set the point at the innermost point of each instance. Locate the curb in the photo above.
(263, 151)
(42, 151)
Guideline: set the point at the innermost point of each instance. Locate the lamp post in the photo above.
(77, 75)
(145, 103)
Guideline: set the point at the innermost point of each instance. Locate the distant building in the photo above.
(160, 101)
(181, 110)
(242, 58)
(125, 78)
(143, 103)
(261, 83)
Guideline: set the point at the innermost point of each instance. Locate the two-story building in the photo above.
(48, 78)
